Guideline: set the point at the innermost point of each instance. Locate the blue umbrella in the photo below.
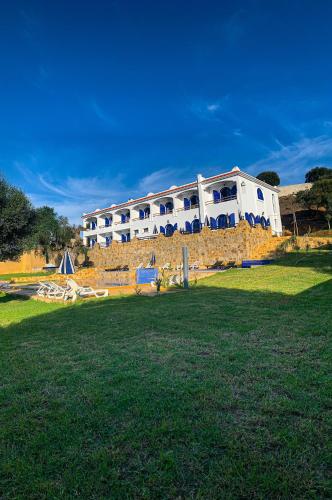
(66, 266)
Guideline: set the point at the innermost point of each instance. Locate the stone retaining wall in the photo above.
(205, 248)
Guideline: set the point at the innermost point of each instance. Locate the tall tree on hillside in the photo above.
(50, 231)
(16, 215)
(269, 177)
(319, 196)
(317, 173)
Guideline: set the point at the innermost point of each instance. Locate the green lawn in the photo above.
(219, 392)
(12, 276)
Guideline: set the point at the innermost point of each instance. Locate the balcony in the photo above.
(186, 209)
(168, 212)
(222, 200)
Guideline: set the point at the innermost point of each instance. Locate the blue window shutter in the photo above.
(263, 221)
(188, 227)
(123, 218)
(268, 223)
(162, 230)
(257, 219)
(123, 238)
(213, 223)
(221, 221)
(216, 196)
(186, 204)
(196, 225)
(247, 217)
(128, 237)
(260, 195)
(231, 220)
(141, 214)
(175, 227)
(162, 209)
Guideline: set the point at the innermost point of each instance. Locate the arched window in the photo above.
(260, 195)
(250, 218)
(225, 192)
(222, 221)
(169, 207)
(188, 227)
(213, 223)
(194, 201)
(196, 226)
(169, 230)
(232, 220)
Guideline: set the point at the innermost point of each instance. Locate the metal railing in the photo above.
(191, 207)
(169, 212)
(226, 198)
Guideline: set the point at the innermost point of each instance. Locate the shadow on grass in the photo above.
(209, 393)
(10, 297)
(319, 260)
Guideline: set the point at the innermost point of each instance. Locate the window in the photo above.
(169, 207)
(274, 203)
(136, 232)
(146, 230)
(260, 195)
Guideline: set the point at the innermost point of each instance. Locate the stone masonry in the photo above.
(205, 248)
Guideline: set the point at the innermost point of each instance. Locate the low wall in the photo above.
(205, 248)
(27, 263)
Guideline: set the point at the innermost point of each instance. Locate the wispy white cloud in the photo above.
(209, 110)
(291, 160)
(101, 113)
(234, 27)
(74, 195)
(160, 179)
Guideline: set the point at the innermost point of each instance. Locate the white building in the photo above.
(218, 202)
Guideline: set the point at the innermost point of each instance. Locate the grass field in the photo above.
(219, 392)
(12, 276)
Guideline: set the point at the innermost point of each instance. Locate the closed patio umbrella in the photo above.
(153, 259)
(66, 266)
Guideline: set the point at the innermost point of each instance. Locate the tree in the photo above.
(317, 173)
(269, 177)
(320, 195)
(16, 216)
(50, 232)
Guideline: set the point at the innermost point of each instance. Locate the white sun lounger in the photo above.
(52, 290)
(86, 291)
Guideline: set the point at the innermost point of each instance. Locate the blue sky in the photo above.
(106, 100)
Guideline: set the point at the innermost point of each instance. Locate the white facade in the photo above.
(218, 202)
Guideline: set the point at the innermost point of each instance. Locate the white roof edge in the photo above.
(179, 188)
